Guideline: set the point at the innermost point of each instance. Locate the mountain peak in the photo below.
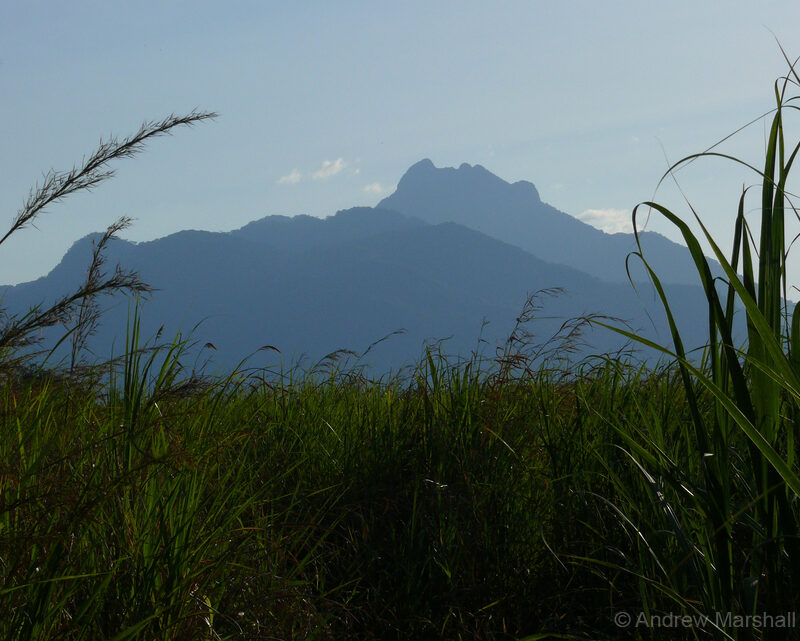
(426, 164)
(514, 213)
(463, 195)
(424, 175)
(421, 171)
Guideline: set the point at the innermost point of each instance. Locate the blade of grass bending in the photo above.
(713, 476)
(794, 340)
(765, 263)
(736, 373)
(759, 322)
(792, 480)
(719, 506)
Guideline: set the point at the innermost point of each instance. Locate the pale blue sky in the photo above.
(577, 97)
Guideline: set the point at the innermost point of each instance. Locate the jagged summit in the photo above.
(424, 176)
(426, 164)
(514, 213)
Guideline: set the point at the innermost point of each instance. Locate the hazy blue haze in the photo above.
(311, 286)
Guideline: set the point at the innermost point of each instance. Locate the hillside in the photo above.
(312, 286)
(514, 213)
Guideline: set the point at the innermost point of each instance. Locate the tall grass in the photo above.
(716, 511)
(328, 507)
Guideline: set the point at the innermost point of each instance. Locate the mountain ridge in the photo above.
(515, 213)
(313, 286)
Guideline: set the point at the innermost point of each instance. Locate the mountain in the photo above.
(514, 213)
(312, 286)
(303, 232)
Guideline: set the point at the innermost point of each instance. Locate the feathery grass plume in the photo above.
(524, 354)
(94, 170)
(88, 313)
(19, 331)
(728, 491)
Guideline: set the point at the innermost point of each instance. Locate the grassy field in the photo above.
(468, 500)
(458, 505)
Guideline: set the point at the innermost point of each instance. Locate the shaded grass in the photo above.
(729, 499)
(450, 505)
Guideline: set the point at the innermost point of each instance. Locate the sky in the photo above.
(324, 105)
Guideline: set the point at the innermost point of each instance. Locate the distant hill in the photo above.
(514, 213)
(311, 286)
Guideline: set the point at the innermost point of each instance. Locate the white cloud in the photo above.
(376, 188)
(291, 178)
(611, 221)
(329, 168)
